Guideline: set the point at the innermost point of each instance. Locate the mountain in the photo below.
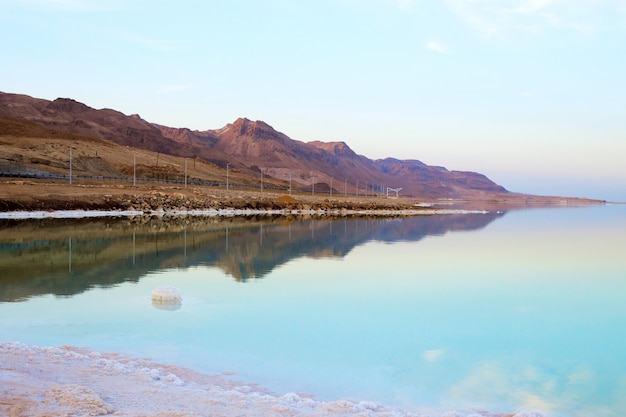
(255, 148)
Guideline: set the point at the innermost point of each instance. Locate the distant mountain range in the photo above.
(252, 147)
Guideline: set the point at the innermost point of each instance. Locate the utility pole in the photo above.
(227, 165)
(70, 165)
(135, 169)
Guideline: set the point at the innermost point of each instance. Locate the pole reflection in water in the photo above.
(69, 263)
(133, 248)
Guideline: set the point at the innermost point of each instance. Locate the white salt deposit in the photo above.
(166, 298)
(167, 294)
(68, 381)
(65, 214)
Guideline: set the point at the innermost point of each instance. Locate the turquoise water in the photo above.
(522, 310)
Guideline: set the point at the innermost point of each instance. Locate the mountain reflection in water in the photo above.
(65, 257)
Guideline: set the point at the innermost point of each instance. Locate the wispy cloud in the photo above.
(436, 46)
(405, 4)
(76, 5)
(492, 18)
(533, 387)
(531, 6)
(433, 355)
(156, 44)
(524, 388)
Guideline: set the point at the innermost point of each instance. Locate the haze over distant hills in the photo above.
(252, 147)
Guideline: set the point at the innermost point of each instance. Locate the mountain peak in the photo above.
(68, 105)
(335, 148)
(246, 127)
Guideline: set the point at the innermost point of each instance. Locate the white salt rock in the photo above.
(167, 293)
(173, 379)
(166, 298)
(291, 398)
(369, 405)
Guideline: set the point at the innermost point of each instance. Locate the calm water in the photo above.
(500, 312)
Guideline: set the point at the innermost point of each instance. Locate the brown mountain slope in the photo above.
(27, 147)
(255, 148)
(71, 116)
(258, 146)
(434, 181)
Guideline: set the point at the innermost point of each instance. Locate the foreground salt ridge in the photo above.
(43, 381)
(67, 214)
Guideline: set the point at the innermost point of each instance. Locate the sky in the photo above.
(531, 93)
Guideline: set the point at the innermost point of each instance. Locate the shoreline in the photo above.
(69, 214)
(100, 200)
(40, 381)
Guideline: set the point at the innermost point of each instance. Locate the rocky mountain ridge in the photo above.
(257, 149)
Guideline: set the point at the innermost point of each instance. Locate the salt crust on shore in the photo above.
(68, 381)
(68, 214)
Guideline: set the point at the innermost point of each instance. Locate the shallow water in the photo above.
(499, 311)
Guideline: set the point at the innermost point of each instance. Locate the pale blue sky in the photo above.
(531, 93)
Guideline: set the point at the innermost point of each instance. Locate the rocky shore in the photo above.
(32, 196)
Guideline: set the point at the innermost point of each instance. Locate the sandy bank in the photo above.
(67, 381)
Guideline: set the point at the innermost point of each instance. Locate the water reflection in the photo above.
(525, 314)
(65, 257)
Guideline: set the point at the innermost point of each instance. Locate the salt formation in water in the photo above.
(167, 294)
(166, 298)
